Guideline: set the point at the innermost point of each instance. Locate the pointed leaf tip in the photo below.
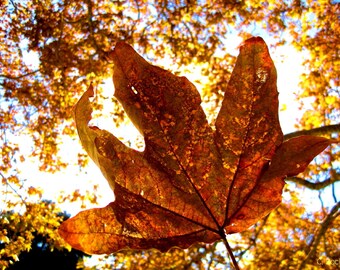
(295, 154)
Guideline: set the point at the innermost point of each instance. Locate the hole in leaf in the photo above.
(261, 75)
(134, 90)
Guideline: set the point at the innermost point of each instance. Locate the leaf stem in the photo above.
(230, 252)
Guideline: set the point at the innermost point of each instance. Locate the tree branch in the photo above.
(314, 186)
(20, 76)
(317, 237)
(92, 37)
(253, 239)
(12, 188)
(321, 131)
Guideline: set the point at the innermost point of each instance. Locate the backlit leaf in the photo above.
(192, 183)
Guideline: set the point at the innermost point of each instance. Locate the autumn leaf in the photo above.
(192, 183)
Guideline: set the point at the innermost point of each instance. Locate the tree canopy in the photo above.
(43, 252)
(70, 42)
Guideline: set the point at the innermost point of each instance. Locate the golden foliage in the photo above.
(51, 50)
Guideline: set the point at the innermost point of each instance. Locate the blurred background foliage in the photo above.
(51, 50)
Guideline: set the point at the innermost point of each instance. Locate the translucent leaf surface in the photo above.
(192, 183)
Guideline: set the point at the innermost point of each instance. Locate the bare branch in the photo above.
(253, 239)
(12, 188)
(20, 76)
(314, 186)
(317, 237)
(321, 131)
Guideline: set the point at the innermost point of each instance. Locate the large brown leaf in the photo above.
(192, 183)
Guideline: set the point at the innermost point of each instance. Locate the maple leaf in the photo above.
(192, 183)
